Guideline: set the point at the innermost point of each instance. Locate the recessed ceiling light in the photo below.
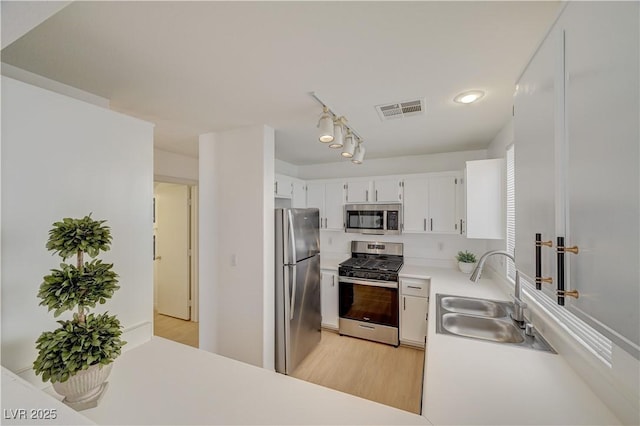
(469, 97)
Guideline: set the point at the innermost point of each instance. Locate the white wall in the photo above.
(20, 17)
(236, 244)
(284, 168)
(172, 167)
(390, 166)
(52, 85)
(65, 158)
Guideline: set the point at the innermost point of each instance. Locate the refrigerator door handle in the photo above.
(292, 248)
(293, 291)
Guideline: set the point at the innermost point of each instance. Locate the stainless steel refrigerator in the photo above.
(297, 286)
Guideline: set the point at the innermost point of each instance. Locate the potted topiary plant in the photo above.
(77, 357)
(466, 261)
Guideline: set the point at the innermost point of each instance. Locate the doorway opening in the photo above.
(175, 281)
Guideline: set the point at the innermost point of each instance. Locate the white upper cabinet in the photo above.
(416, 204)
(387, 190)
(442, 204)
(334, 206)
(484, 181)
(315, 198)
(329, 198)
(382, 190)
(283, 186)
(602, 167)
(358, 191)
(291, 188)
(577, 163)
(431, 203)
(299, 194)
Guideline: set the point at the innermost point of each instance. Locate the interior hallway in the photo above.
(181, 331)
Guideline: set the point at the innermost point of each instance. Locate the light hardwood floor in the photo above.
(175, 329)
(378, 372)
(381, 373)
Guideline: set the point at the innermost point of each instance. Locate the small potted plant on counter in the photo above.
(466, 261)
(77, 357)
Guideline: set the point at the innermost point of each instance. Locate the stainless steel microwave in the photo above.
(377, 219)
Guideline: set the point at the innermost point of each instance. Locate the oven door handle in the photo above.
(374, 283)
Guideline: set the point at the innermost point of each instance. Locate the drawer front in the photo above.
(414, 287)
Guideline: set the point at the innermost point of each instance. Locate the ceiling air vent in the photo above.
(400, 109)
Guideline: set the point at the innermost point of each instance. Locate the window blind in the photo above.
(511, 210)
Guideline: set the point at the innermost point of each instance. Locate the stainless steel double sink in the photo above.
(483, 319)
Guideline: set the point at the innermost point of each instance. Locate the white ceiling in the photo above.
(197, 67)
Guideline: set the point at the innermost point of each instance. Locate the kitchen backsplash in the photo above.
(420, 249)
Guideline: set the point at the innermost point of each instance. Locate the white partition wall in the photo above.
(66, 158)
(236, 244)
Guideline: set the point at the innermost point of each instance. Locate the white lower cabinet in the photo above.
(414, 307)
(329, 298)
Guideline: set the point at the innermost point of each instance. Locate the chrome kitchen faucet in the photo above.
(518, 304)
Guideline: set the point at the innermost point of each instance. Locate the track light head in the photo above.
(325, 126)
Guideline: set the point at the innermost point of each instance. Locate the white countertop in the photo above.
(162, 382)
(24, 404)
(465, 382)
(332, 261)
(474, 382)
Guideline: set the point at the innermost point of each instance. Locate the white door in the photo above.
(602, 208)
(329, 299)
(416, 204)
(172, 249)
(334, 206)
(358, 192)
(299, 195)
(414, 319)
(442, 205)
(387, 191)
(315, 199)
(283, 186)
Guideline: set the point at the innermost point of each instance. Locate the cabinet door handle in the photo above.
(366, 194)
(325, 223)
(460, 226)
(276, 189)
(412, 286)
(425, 224)
(333, 280)
(431, 224)
(404, 303)
(376, 195)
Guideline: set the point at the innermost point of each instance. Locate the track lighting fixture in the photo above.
(335, 131)
(325, 126)
(349, 145)
(358, 157)
(338, 130)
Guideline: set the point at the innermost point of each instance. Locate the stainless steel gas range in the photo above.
(368, 291)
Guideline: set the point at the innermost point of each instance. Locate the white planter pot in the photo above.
(467, 268)
(84, 389)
